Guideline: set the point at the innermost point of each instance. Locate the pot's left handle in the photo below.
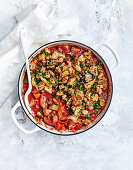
(13, 114)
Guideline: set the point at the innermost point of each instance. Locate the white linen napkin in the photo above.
(42, 26)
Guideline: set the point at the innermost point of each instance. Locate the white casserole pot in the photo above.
(22, 103)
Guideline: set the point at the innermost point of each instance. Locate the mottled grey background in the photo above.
(107, 146)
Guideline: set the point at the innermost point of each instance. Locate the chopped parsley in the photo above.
(46, 53)
(37, 80)
(37, 72)
(26, 79)
(93, 115)
(98, 80)
(90, 104)
(48, 79)
(81, 88)
(98, 63)
(58, 64)
(40, 64)
(99, 70)
(76, 72)
(50, 63)
(33, 74)
(87, 65)
(94, 85)
(38, 67)
(88, 117)
(53, 116)
(81, 110)
(83, 101)
(56, 80)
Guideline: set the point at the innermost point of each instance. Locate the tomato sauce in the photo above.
(52, 109)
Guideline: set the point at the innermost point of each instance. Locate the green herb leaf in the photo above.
(90, 104)
(98, 81)
(26, 79)
(37, 72)
(40, 64)
(33, 74)
(89, 71)
(96, 109)
(76, 73)
(81, 110)
(99, 70)
(86, 64)
(98, 63)
(72, 48)
(58, 64)
(50, 63)
(46, 53)
(48, 79)
(81, 88)
(94, 85)
(83, 101)
(53, 116)
(37, 80)
(88, 117)
(56, 80)
(38, 67)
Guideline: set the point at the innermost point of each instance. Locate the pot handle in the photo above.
(17, 123)
(117, 59)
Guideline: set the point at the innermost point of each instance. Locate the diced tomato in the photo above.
(32, 102)
(52, 49)
(37, 106)
(36, 93)
(43, 103)
(53, 107)
(55, 118)
(75, 50)
(66, 48)
(48, 95)
(50, 101)
(48, 121)
(60, 49)
(60, 108)
(74, 126)
(58, 126)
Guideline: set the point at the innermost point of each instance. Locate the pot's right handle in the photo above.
(114, 54)
(17, 123)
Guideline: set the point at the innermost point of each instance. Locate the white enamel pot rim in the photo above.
(22, 104)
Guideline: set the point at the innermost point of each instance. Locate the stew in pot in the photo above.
(69, 87)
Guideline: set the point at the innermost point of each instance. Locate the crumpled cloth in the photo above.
(43, 26)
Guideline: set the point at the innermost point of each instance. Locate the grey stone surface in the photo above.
(107, 146)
